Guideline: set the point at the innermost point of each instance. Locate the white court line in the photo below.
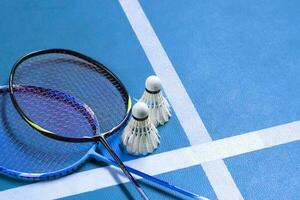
(189, 156)
(217, 172)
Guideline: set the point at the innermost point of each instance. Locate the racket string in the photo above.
(78, 78)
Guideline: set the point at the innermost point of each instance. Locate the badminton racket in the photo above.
(41, 158)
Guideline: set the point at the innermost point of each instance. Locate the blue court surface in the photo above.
(230, 70)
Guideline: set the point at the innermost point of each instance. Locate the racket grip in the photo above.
(150, 178)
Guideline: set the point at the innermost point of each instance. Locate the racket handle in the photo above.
(123, 168)
(151, 178)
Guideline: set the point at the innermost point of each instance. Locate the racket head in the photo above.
(27, 155)
(75, 74)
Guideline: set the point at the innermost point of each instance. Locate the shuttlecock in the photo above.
(159, 108)
(140, 136)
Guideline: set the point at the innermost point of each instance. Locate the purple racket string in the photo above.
(28, 155)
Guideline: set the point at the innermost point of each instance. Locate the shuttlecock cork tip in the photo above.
(140, 111)
(153, 84)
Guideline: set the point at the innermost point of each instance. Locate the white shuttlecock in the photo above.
(159, 108)
(140, 137)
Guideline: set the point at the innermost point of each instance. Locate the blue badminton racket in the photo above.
(31, 156)
(54, 82)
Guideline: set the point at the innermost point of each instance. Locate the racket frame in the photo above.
(108, 73)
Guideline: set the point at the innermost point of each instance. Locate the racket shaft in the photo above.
(123, 168)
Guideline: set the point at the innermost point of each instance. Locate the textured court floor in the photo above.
(230, 70)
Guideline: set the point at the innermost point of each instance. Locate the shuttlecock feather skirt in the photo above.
(159, 108)
(140, 137)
